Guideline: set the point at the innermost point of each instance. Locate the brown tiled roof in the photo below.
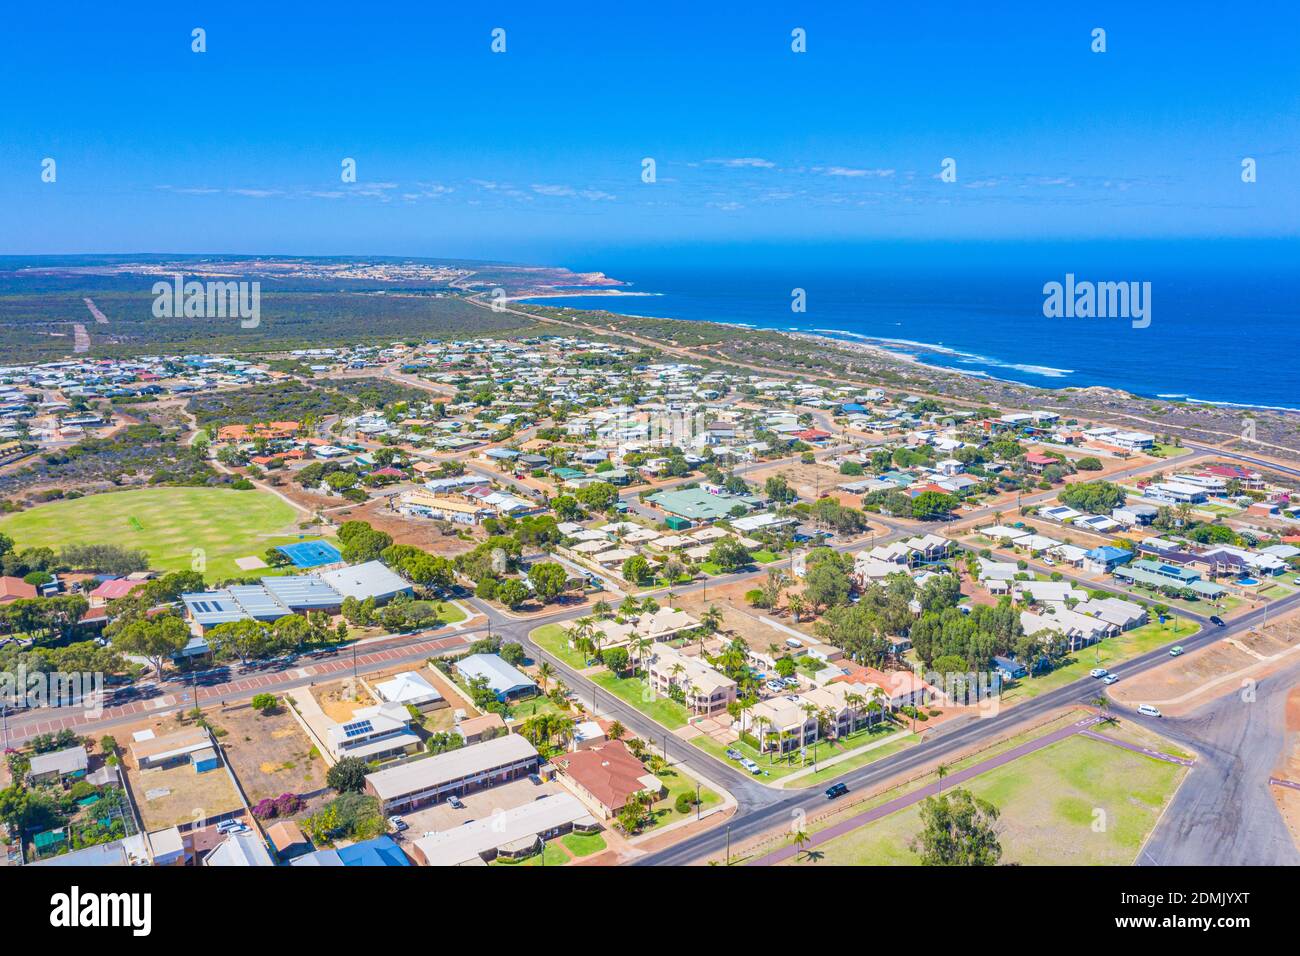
(609, 772)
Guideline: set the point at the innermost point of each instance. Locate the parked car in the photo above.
(1097, 672)
(536, 780)
(775, 687)
(397, 823)
(231, 826)
(751, 766)
(793, 643)
(455, 803)
(791, 681)
(1110, 678)
(1176, 651)
(733, 754)
(837, 790)
(1146, 710)
(1215, 619)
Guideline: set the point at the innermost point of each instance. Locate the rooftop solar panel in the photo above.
(357, 728)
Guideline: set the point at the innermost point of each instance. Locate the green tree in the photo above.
(958, 831)
(512, 593)
(155, 639)
(549, 579)
(636, 569)
(348, 775)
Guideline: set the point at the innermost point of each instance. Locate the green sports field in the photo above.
(168, 523)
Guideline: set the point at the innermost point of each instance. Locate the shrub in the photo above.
(684, 802)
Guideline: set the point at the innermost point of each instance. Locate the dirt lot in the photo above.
(1288, 799)
(341, 699)
(270, 755)
(1182, 684)
(170, 796)
(738, 618)
(419, 532)
(810, 481)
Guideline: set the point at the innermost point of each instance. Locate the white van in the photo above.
(1146, 710)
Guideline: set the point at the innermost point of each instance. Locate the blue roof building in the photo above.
(1108, 557)
(381, 851)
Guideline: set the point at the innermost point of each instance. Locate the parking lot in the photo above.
(478, 806)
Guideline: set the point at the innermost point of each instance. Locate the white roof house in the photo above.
(373, 731)
(240, 849)
(420, 778)
(408, 688)
(470, 842)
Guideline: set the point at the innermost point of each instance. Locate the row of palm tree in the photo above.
(541, 729)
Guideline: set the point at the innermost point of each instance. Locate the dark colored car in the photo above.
(838, 790)
(1215, 619)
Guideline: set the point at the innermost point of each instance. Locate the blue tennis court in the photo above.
(311, 554)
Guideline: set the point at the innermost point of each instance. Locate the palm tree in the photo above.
(856, 703)
(880, 699)
(797, 606)
(641, 644)
(561, 727)
(711, 619)
(601, 609)
(1102, 703)
(759, 724)
(544, 674)
(616, 731)
(942, 771)
(800, 838)
(787, 736)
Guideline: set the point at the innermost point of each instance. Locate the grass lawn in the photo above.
(764, 556)
(554, 856)
(583, 844)
(1160, 450)
(532, 706)
(635, 691)
(447, 613)
(167, 523)
(665, 811)
(774, 766)
(828, 774)
(553, 639)
(1111, 652)
(1048, 802)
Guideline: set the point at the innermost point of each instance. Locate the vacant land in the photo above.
(169, 796)
(1076, 802)
(270, 755)
(1180, 685)
(170, 524)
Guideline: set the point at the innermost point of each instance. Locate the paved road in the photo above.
(1224, 814)
(172, 695)
(929, 790)
(754, 821)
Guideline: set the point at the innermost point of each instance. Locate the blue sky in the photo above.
(536, 154)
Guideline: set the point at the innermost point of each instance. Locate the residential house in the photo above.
(606, 776)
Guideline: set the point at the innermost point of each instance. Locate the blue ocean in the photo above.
(1224, 316)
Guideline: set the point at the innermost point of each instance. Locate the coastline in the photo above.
(868, 345)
